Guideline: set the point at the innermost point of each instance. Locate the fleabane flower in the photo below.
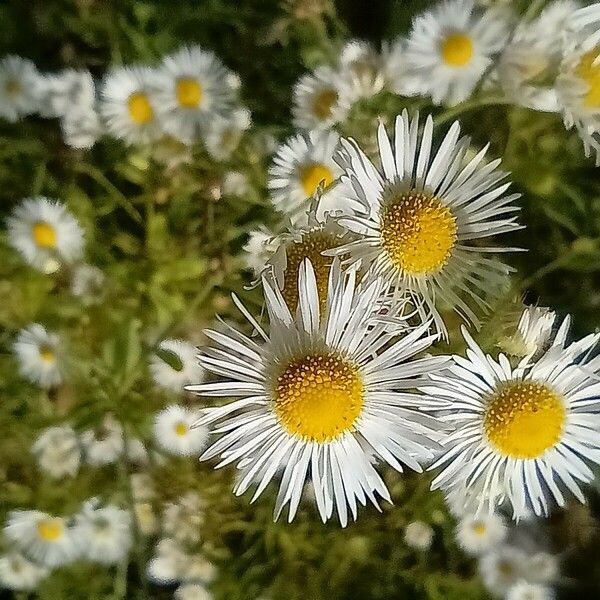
(105, 444)
(38, 355)
(326, 393)
(532, 335)
(20, 574)
(57, 451)
(502, 569)
(174, 432)
(480, 534)
(361, 65)
(451, 46)
(524, 590)
(65, 91)
(128, 106)
(45, 233)
(525, 434)
(19, 88)
(175, 364)
(44, 538)
(224, 134)
(425, 217)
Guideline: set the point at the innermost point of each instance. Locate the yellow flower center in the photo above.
(189, 92)
(181, 429)
(311, 176)
(44, 235)
(523, 419)
(140, 109)
(47, 354)
(418, 232)
(506, 568)
(12, 87)
(50, 529)
(323, 103)
(457, 49)
(590, 73)
(319, 397)
(479, 528)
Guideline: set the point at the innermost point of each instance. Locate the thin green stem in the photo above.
(557, 263)
(469, 105)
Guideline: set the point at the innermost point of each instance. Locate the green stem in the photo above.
(469, 105)
(558, 262)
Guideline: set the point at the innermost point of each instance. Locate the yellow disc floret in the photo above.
(50, 529)
(323, 103)
(47, 354)
(181, 429)
(418, 232)
(44, 234)
(588, 69)
(319, 397)
(311, 175)
(189, 92)
(140, 109)
(457, 49)
(523, 419)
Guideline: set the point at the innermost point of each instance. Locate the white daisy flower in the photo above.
(418, 535)
(174, 432)
(57, 451)
(38, 356)
(104, 445)
(195, 87)
(224, 133)
(20, 574)
(451, 46)
(128, 104)
(19, 88)
(425, 218)
(585, 24)
(320, 99)
(199, 569)
(523, 434)
(480, 534)
(168, 563)
(192, 591)
(542, 567)
(182, 520)
(532, 334)
(319, 398)
(529, 591)
(502, 569)
(88, 283)
(175, 364)
(65, 91)
(44, 538)
(81, 127)
(397, 72)
(258, 249)
(45, 233)
(362, 66)
(302, 164)
(103, 533)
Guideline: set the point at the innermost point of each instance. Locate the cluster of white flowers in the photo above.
(190, 96)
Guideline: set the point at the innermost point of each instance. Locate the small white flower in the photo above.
(398, 76)
(57, 451)
(542, 567)
(45, 233)
(105, 445)
(198, 568)
(533, 333)
(224, 133)
(261, 245)
(529, 591)
(87, 283)
(136, 451)
(192, 591)
(235, 184)
(175, 364)
(361, 66)
(480, 534)
(44, 538)
(38, 356)
(418, 535)
(81, 127)
(20, 574)
(174, 432)
(168, 563)
(182, 520)
(68, 90)
(502, 569)
(19, 88)
(103, 533)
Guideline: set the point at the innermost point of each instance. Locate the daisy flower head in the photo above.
(584, 24)
(175, 364)
(532, 335)
(105, 444)
(19, 574)
(543, 567)
(325, 393)
(128, 104)
(451, 46)
(524, 590)
(480, 534)
(168, 563)
(418, 535)
(81, 127)
(88, 283)
(425, 217)
(174, 431)
(194, 88)
(103, 533)
(502, 569)
(399, 77)
(65, 91)
(43, 538)
(320, 99)
(362, 66)
(19, 88)
(224, 133)
(45, 233)
(258, 249)
(38, 355)
(523, 434)
(302, 166)
(192, 591)
(57, 451)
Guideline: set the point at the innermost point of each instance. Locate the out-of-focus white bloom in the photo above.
(480, 534)
(183, 519)
(104, 445)
(81, 127)
(175, 364)
(19, 88)
(142, 487)
(224, 133)
(524, 590)
(168, 563)
(235, 184)
(533, 333)
(20, 574)
(136, 451)
(57, 451)
(174, 432)
(398, 76)
(542, 567)
(418, 535)
(45, 233)
(44, 538)
(103, 534)
(192, 591)
(37, 353)
(502, 569)
(88, 283)
(261, 245)
(198, 568)
(68, 90)
(361, 66)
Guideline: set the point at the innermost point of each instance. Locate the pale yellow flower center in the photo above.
(319, 397)
(189, 92)
(181, 429)
(418, 232)
(47, 354)
(140, 109)
(50, 529)
(588, 69)
(523, 419)
(13, 87)
(44, 234)
(457, 49)
(311, 176)
(323, 103)
(479, 528)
